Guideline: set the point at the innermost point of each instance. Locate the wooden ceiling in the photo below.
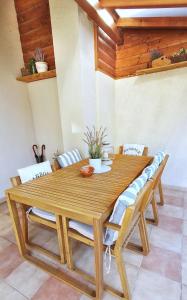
(115, 31)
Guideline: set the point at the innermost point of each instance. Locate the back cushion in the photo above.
(150, 170)
(133, 149)
(127, 198)
(34, 171)
(69, 158)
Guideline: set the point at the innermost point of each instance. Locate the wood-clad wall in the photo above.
(105, 53)
(135, 53)
(35, 29)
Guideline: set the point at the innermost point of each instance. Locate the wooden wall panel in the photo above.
(35, 29)
(135, 53)
(105, 53)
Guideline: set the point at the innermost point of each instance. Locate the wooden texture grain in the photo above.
(105, 53)
(134, 55)
(66, 190)
(34, 25)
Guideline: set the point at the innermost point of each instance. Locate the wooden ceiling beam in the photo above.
(142, 3)
(154, 22)
(113, 32)
(113, 14)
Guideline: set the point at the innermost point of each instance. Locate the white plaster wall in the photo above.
(152, 110)
(16, 128)
(105, 87)
(74, 56)
(43, 97)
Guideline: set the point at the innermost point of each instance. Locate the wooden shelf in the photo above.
(38, 76)
(163, 68)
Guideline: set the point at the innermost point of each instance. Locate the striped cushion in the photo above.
(150, 170)
(127, 198)
(69, 158)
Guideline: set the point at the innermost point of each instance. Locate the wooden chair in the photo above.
(145, 152)
(16, 181)
(158, 181)
(55, 165)
(133, 217)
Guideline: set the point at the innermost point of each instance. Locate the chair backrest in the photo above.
(68, 158)
(34, 171)
(157, 176)
(132, 149)
(132, 214)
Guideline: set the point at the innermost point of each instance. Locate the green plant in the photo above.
(32, 66)
(179, 56)
(95, 139)
(155, 54)
(39, 55)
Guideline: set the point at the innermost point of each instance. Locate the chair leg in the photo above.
(60, 236)
(155, 219)
(123, 274)
(25, 223)
(161, 193)
(144, 235)
(67, 244)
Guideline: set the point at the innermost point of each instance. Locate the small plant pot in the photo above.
(41, 66)
(95, 163)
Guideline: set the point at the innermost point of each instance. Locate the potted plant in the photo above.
(179, 56)
(158, 59)
(39, 57)
(95, 139)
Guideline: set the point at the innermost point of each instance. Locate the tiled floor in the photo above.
(162, 275)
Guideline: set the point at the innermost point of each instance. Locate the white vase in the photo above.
(96, 163)
(41, 66)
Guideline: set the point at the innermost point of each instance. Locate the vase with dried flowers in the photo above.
(39, 57)
(94, 139)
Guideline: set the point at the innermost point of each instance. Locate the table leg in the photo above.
(17, 226)
(98, 250)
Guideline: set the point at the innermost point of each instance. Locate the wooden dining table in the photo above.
(88, 200)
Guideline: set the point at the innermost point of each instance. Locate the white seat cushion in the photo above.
(84, 229)
(43, 214)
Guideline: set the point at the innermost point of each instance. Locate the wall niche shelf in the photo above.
(163, 68)
(38, 76)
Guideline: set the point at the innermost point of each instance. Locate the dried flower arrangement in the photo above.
(95, 139)
(39, 55)
(155, 54)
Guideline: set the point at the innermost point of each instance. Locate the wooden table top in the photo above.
(67, 192)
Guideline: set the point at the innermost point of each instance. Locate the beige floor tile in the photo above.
(173, 192)
(185, 214)
(132, 258)
(27, 279)
(4, 208)
(151, 286)
(167, 240)
(4, 244)
(54, 289)
(5, 225)
(185, 228)
(171, 211)
(10, 259)
(184, 273)
(9, 293)
(106, 296)
(184, 292)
